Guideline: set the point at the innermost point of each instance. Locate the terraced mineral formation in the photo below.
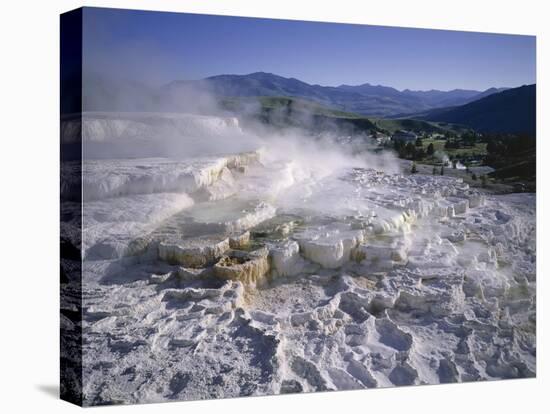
(235, 276)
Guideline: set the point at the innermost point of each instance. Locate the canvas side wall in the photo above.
(71, 206)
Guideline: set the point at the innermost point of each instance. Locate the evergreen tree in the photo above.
(410, 150)
(430, 150)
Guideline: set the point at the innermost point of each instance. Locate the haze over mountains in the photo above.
(492, 110)
(365, 99)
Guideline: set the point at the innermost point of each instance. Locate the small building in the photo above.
(380, 138)
(405, 136)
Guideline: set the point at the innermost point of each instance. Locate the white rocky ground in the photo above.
(246, 275)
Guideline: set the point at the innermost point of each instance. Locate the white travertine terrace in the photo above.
(230, 275)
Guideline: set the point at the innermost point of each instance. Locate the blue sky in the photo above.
(156, 48)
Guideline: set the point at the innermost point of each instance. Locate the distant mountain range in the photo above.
(495, 109)
(365, 99)
(511, 111)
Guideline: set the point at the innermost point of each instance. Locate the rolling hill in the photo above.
(510, 111)
(281, 111)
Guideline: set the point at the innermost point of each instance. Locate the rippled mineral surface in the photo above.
(229, 276)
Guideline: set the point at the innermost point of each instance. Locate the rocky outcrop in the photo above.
(250, 268)
(329, 246)
(198, 252)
